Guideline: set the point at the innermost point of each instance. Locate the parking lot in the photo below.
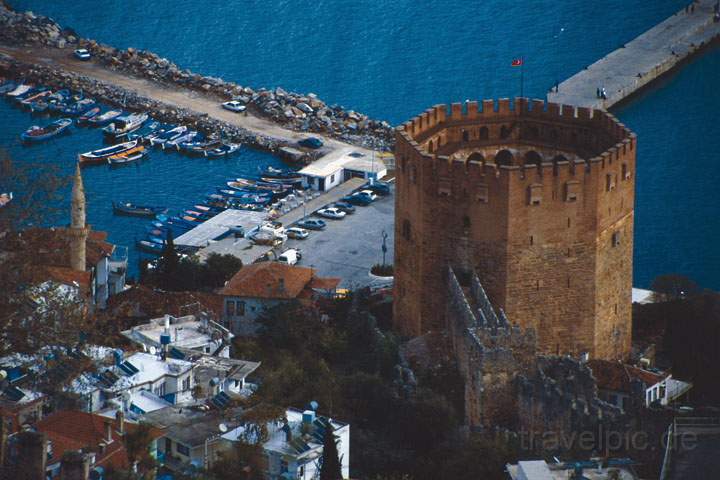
(347, 248)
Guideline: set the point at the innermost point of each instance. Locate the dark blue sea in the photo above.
(393, 59)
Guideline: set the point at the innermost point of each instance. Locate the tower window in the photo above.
(465, 136)
(609, 182)
(534, 194)
(532, 240)
(444, 187)
(572, 190)
(615, 239)
(483, 134)
(466, 222)
(625, 172)
(482, 194)
(568, 222)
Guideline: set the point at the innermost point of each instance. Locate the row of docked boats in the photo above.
(239, 193)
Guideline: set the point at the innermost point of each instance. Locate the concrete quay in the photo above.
(641, 61)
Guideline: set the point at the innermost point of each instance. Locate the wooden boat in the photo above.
(104, 118)
(101, 155)
(168, 135)
(8, 86)
(126, 124)
(38, 134)
(133, 210)
(85, 117)
(19, 91)
(149, 247)
(223, 150)
(274, 189)
(128, 156)
(188, 136)
(276, 173)
(28, 101)
(294, 182)
(79, 107)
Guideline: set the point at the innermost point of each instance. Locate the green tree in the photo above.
(331, 468)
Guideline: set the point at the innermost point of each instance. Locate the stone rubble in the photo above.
(295, 111)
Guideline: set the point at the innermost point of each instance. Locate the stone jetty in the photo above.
(644, 59)
(38, 49)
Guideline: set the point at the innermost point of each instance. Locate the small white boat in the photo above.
(171, 134)
(186, 137)
(101, 155)
(19, 90)
(126, 124)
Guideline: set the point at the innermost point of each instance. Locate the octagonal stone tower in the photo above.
(538, 200)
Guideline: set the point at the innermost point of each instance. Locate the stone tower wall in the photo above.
(549, 232)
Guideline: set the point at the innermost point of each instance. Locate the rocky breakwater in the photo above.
(306, 113)
(28, 29)
(120, 97)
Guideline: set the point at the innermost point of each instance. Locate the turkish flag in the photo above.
(517, 62)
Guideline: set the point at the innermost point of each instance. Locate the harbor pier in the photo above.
(638, 63)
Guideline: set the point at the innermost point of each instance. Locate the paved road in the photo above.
(642, 60)
(174, 96)
(348, 248)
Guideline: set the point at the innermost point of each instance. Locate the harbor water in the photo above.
(393, 59)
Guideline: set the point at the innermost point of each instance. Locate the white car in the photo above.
(332, 212)
(290, 256)
(297, 233)
(368, 193)
(82, 54)
(234, 106)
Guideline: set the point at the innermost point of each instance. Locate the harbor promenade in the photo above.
(641, 61)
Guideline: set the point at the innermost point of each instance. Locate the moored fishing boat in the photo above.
(101, 155)
(124, 125)
(19, 91)
(85, 117)
(7, 86)
(168, 135)
(104, 118)
(188, 136)
(133, 210)
(29, 100)
(199, 148)
(128, 156)
(79, 107)
(223, 150)
(149, 247)
(38, 134)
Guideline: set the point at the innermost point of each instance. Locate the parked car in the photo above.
(311, 142)
(297, 233)
(356, 199)
(367, 193)
(234, 106)
(82, 54)
(290, 256)
(381, 188)
(345, 207)
(332, 212)
(312, 224)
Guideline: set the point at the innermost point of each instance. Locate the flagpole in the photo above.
(522, 76)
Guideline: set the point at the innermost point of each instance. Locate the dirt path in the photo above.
(179, 97)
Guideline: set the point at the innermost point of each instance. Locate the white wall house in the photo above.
(339, 166)
(295, 449)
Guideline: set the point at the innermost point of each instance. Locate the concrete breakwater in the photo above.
(640, 62)
(293, 111)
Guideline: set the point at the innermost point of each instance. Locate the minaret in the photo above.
(78, 229)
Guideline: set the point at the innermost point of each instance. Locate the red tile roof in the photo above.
(618, 376)
(73, 430)
(51, 246)
(324, 283)
(269, 280)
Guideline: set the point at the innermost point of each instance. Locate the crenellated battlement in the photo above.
(535, 197)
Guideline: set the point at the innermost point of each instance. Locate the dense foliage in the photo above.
(187, 273)
(400, 427)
